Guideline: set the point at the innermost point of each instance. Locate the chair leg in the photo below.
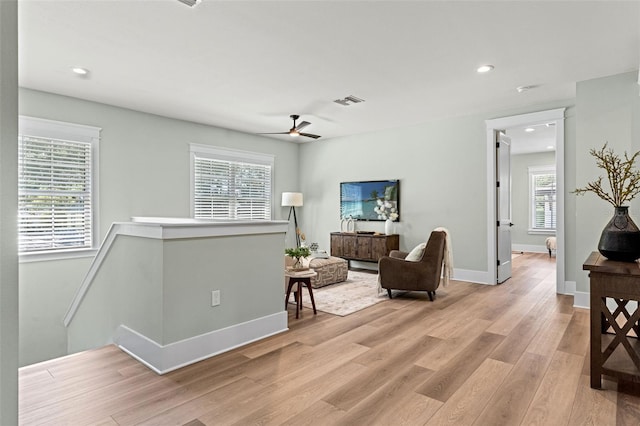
(431, 295)
(389, 293)
(549, 252)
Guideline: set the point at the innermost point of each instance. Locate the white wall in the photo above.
(520, 197)
(144, 171)
(8, 208)
(607, 110)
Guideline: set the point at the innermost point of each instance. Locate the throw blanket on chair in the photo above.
(447, 263)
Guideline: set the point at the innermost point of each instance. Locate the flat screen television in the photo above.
(370, 200)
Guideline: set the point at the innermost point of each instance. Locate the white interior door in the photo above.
(503, 206)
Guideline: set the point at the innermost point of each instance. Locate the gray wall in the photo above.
(607, 110)
(162, 288)
(8, 208)
(144, 171)
(520, 196)
(442, 167)
(244, 268)
(126, 290)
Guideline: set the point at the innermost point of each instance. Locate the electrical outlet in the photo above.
(215, 297)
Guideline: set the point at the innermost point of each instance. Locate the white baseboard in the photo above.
(529, 248)
(581, 300)
(479, 277)
(163, 359)
(569, 288)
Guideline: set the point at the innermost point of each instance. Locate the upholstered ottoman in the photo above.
(330, 271)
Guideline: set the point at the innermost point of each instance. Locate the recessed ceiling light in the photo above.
(529, 129)
(485, 68)
(550, 147)
(80, 71)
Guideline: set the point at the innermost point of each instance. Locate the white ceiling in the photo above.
(541, 139)
(248, 65)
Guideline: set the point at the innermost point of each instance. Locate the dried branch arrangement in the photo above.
(622, 175)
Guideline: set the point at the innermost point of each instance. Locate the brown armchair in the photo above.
(424, 275)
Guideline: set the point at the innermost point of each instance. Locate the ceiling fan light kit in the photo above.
(295, 130)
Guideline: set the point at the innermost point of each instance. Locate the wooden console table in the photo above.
(363, 247)
(615, 347)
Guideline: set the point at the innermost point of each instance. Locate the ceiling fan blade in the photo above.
(302, 125)
(276, 133)
(310, 135)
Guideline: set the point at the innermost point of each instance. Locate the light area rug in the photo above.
(359, 291)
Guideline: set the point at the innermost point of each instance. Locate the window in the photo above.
(230, 184)
(57, 187)
(542, 195)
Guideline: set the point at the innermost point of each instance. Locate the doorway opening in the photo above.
(553, 122)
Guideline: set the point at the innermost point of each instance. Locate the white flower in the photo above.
(386, 209)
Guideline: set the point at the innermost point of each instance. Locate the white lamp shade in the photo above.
(292, 199)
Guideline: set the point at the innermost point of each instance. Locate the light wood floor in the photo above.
(485, 355)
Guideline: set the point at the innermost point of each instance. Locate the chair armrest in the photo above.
(397, 254)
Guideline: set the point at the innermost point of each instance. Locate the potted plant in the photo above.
(298, 253)
(620, 239)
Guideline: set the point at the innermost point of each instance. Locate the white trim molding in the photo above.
(165, 358)
(570, 288)
(529, 248)
(534, 171)
(168, 228)
(80, 133)
(581, 299)
(230, 155)
(555, 116)
(478, 277)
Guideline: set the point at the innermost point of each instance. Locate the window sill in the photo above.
(541, 232)
(43, 256)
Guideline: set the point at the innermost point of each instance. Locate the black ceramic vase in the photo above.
(620, 239)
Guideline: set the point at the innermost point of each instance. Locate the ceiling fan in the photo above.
(295, 130)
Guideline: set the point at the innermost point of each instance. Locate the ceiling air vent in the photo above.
(349, 100)
(190, 3)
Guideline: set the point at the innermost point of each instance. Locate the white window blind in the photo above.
(55, 192)
(543, 198)
(230, 186)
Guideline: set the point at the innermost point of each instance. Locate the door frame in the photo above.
(505, 123)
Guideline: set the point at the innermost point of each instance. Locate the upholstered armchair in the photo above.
(423, 274)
